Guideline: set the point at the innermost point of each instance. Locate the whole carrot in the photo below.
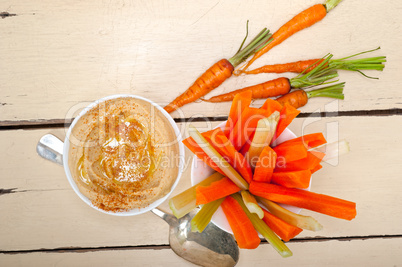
(218, 72)
(208, 81)
(299, 98)
(346, 63)
(281, 86)
(296, 67)
(303, 20)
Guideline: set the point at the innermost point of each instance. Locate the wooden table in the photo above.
(58, 56)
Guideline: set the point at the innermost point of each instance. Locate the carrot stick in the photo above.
(245, 127)
(243, 230)
(308, 163)
(199, 152)
(185, 202)
(292, 179)
(247, 145)
(296, 99)
(221, 143)
(276, 87)
(218, 73)
(308, 140)
(287, 115)
(325, 204)
(240, 102)
(316, 168)
(303, 20)
(283, 229)
(216, 190)
(296, 67)
(264, 229)
(265, 165)
(271, 106)
(226, 168)
(301, 221)
(291, 152)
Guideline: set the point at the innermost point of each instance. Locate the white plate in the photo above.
(200, 171)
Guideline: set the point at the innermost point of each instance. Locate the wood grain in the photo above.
(42, 212)
(57, 56)
(369, 252)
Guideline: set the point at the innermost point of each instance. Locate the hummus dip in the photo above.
(123, 154)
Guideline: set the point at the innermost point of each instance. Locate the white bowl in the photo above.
(200, 171)
(135, 211)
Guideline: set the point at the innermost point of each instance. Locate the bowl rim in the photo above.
(135, 211)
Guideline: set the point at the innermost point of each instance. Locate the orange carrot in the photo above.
(243, 230)
(296, 99)
(346, 63)
(246, 125)
(276, 87)
(301, 21)
(316, 168)
(291, 152)
(197, 150)
(320, 74)
(283, 229)
(240, 102)
(208, 81)
(271, 106)
(265, 165)
(225, 148)
(218, 72)
(287, 115)
(216, 190)
(247, 145)
(308, 163)
(292, 179)
(299, 98)
(308, 140)
(325, 204)
(296, 67)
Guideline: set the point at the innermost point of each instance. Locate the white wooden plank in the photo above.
(45, 213)
(369, 252)
(58, 56)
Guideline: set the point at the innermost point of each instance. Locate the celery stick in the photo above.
(263, 135)
(301, 221)
(333, 150)
(203, 217)
(185, 202)
(251, 204)
(264, 230)
(231, 173)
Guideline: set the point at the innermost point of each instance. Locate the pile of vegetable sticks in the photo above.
(253, 176)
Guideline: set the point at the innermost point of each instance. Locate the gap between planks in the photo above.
(161, 247)
(57, 123)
